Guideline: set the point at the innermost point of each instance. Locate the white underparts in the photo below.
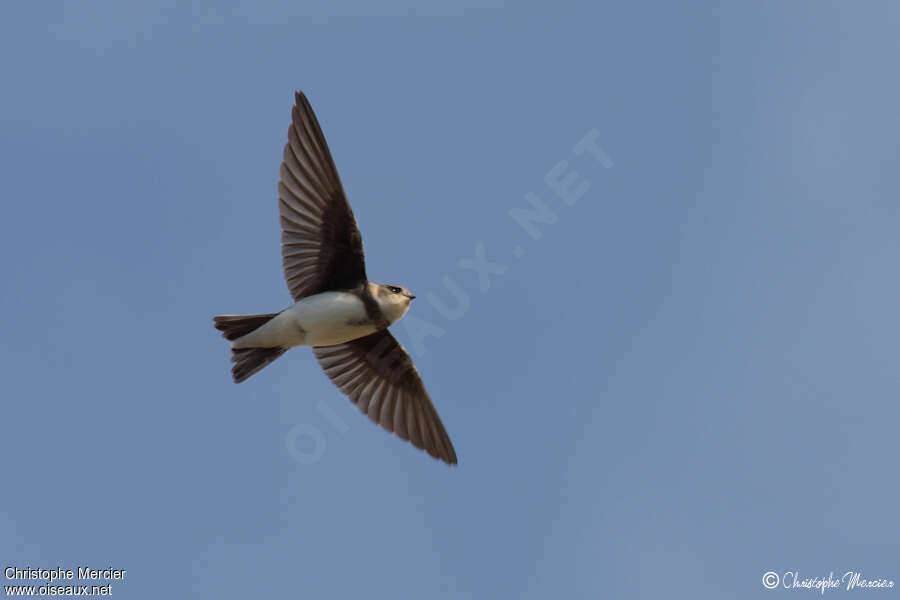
(323, 319)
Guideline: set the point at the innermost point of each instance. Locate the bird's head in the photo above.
(393, 300)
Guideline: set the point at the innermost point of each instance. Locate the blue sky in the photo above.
(687, 380)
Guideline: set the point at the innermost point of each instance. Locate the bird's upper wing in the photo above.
(321, 247)
(380, 378)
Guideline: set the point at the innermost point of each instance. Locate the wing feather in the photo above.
(321, 247)
(377, 374)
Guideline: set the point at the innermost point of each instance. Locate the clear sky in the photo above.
(678, 381)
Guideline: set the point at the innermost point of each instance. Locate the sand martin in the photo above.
(336, 310)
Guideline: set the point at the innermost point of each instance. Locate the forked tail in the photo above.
(247, 361)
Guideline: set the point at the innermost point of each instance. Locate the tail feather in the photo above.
(235, 326)
(247, 361)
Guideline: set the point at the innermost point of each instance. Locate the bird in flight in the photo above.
(336, 310)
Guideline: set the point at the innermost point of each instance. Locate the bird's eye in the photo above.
(394, 289)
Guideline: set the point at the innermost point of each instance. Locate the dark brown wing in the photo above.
(321, 247)
(380, 378)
